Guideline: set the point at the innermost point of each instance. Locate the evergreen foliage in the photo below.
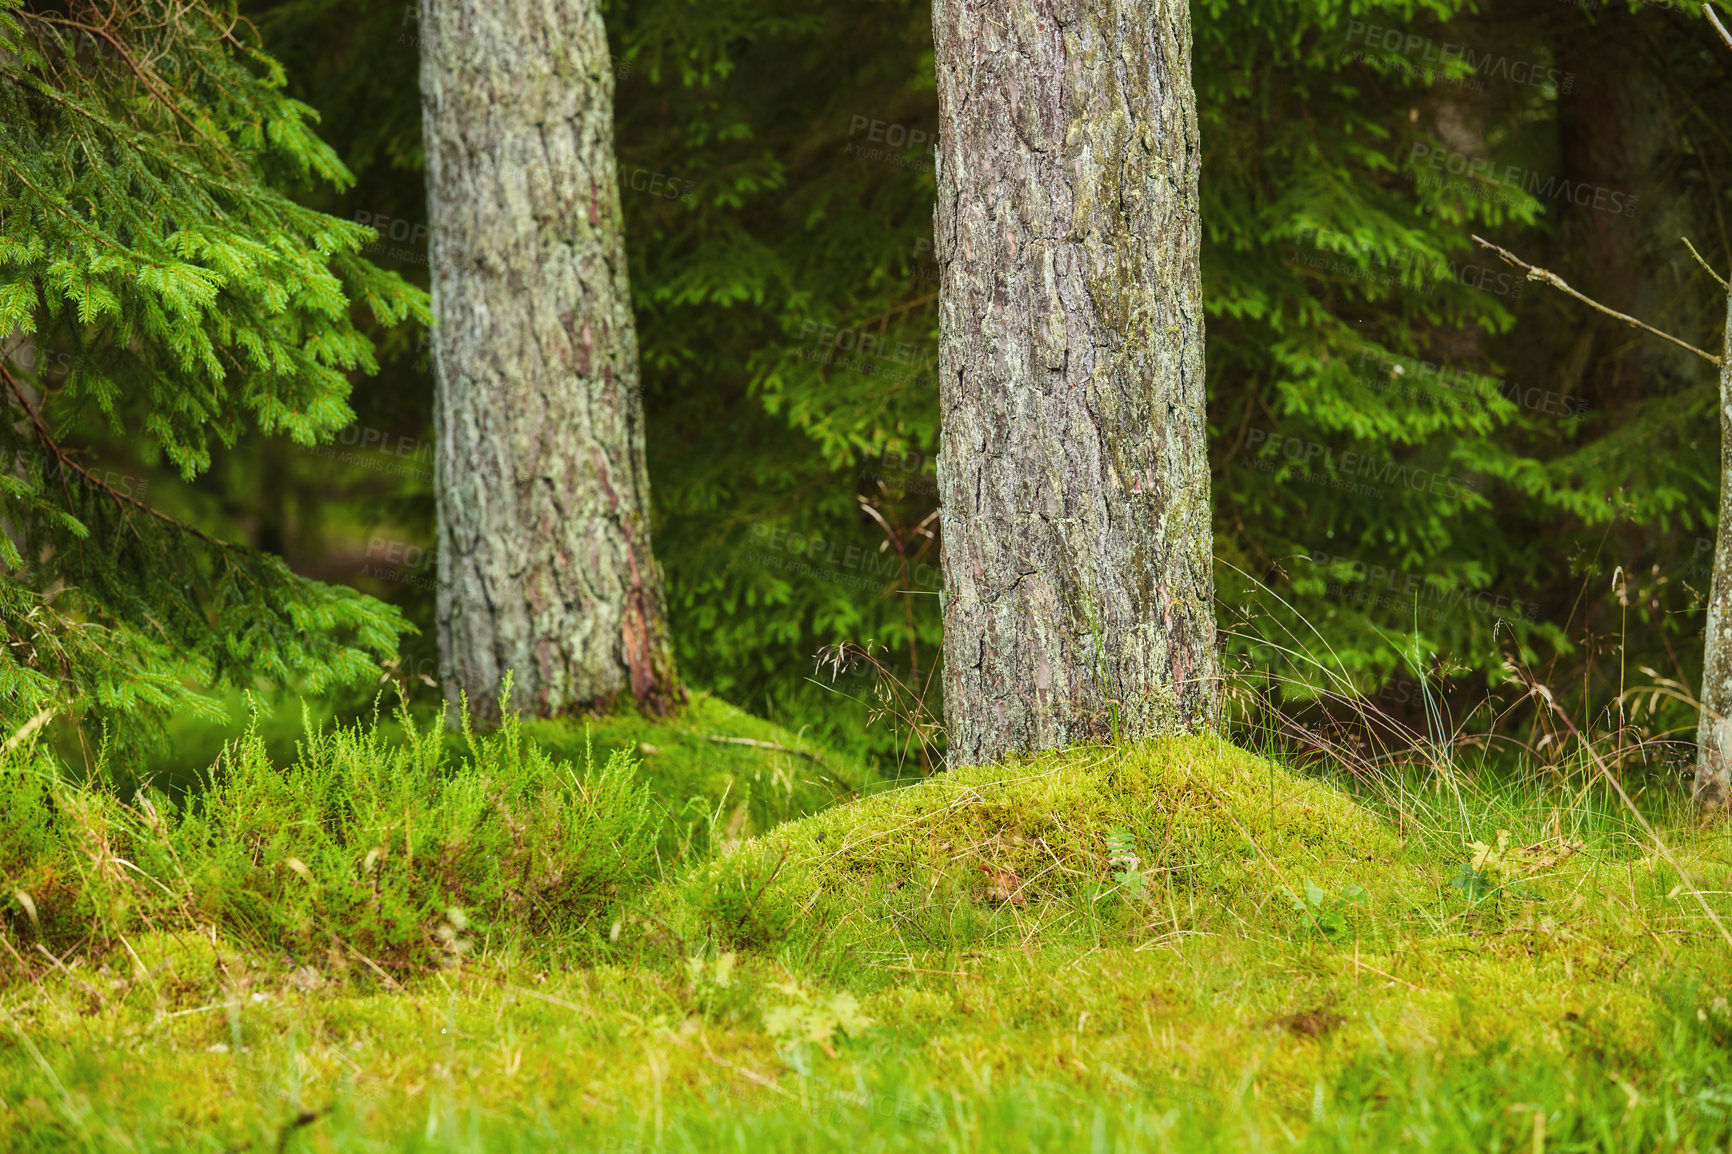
(1406, 474)
(1413, 451)
(164, 286)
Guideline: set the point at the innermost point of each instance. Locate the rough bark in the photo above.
(1072, 472)
(545, 568)
(1714, 731)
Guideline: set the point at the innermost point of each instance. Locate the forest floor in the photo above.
(1174, 945)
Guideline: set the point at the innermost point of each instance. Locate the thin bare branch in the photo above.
(769, 745)
(1706, 267)
(1547, 277)
(1718, 27)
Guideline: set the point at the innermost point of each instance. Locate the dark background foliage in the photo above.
(1423, 466)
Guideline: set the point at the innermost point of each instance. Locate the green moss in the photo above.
(1203, 819)
(1214, 1005)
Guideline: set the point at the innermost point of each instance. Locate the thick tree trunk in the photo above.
(545, 567)
(1714, 732)
(1072, 471)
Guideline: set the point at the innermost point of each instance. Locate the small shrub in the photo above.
(739, 901)
(806, 1016)
(385, 846)
(1329, 913)
(1493, 872)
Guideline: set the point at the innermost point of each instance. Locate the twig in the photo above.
(919, 970)
(727, 1065)
(22, 964)
(66, 462)
(1558, 283)
(24, 732)
(901, 308)
(146, 77)
(1718, 27)
(71, 977)
(769, 745)
(390, 982)
(1706, 267)
(1380, 973)
(553, 1001)
(199, 1010)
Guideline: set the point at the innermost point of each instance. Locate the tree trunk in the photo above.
(1072, 469)
(1714, 732)
(545, 568)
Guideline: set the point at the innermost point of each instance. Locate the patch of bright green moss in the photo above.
(1092, 830)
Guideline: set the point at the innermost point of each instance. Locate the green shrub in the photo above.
(386, 847)
(741, 906)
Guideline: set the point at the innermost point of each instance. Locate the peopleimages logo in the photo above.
(1407, 270)
(1427, 164)
(827, 559)
(901, 145)
(1487, 66)
(1267, 443)
(1387, 586)
(1412, 376)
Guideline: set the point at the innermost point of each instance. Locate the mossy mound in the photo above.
(1187, 819)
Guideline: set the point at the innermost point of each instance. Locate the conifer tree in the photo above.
(545, 567)
(1073, 467)
(1408, 454)
(169, 289)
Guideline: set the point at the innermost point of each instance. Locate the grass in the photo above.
(1174, 945)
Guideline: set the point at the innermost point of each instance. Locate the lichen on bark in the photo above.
(545, 566)
(1713, 785)
(1072, 471)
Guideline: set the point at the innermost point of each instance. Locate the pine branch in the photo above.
(1547, 277)
(67, 463)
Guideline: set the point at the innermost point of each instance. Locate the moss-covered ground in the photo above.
(1168, 946)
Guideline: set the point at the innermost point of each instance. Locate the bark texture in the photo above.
(1714, 731)
(1072, 470)
(545, 568)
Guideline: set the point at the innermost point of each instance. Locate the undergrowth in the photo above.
(365, 849)
(1174, 945)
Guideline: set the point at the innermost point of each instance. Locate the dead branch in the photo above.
(1547, 277)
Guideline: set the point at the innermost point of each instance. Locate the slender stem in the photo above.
(1718, 27)
(65, 462)
(1706, 267)
(901, 308)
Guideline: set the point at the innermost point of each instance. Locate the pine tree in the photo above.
(1073, 468)
(545, 566)
(172, 291)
